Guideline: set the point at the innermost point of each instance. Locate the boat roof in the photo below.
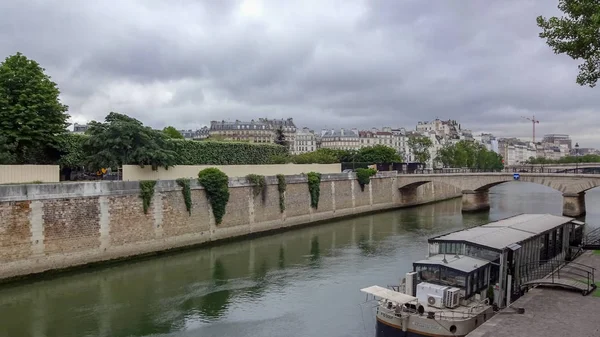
(502, 233)
(458, 262)
(388, 294)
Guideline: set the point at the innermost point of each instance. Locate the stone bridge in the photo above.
(475, 187)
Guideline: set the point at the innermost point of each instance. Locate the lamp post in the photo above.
(576, 157)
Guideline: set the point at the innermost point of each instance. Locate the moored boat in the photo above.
(468, 274)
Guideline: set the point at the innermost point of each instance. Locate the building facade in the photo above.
(253, 131)
(305, 141)
(80, 128)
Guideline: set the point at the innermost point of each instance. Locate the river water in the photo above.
(303, 282)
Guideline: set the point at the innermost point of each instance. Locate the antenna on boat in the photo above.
(444, 260)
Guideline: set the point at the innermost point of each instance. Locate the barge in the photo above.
(469, 274)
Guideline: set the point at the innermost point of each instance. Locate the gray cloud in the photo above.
(327, 64)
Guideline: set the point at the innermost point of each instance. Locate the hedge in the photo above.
(225, 153)
(192, 152)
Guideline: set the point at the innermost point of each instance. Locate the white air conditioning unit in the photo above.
(452, 298)
(435, 301)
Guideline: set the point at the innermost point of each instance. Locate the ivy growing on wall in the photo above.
(216, 185)
(281, 186)
(363, 175)
(187, 193)
(314, 187)
(259, 185)
(146, 193)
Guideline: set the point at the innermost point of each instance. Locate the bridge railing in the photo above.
(586, 170)
(558, 271)
(591, 240)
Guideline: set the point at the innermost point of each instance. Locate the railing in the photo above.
(571, 274)
(505, 170)
(591, 240)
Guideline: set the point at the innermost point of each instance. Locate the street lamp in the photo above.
(576, 157)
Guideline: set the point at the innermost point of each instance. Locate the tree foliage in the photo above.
(363, 175)
(314, 187)
(378, 154)
(280, 137)
(122, 140)
(7, 153)
(588, 158)
(225, 153)
(468, 154)
(173, 133)
(576, 35)
(31, 114)
(419, 146)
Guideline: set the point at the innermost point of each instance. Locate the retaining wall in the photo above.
(53, 226)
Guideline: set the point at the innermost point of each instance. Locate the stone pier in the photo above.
(574, 204)
(474, 201)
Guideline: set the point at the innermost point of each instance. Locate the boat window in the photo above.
(452, 278)
(427, 272)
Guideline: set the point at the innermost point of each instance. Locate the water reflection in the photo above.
(258, 287)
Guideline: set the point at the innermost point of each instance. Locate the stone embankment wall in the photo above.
(53, 226)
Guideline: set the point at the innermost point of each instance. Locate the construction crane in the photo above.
(534, 122)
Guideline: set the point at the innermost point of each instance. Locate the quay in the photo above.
(549, 312)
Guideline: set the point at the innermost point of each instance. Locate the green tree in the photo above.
(576, 34)
(280, 137)
(31, 114)
(469, 154)
(378, 154)
(171, 132)
(419, 146)
(7, 155)
(123, 140)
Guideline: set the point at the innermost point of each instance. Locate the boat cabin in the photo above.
(474, 258)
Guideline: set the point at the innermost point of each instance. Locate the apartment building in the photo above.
(305, 141)
(253, 131)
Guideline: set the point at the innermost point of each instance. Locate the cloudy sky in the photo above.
(326, 63)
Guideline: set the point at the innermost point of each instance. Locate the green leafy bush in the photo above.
(216, 185)
(281, 186)
(146, 193)
(187, 193)
(363, 175)
(259, 185)
(314, 187)
(224, 153)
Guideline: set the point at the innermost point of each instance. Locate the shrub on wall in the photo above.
(224, 153)
(314, 187)
(259, 185)
(281, 186)
(363, 175)
(216, 185)
(146, 193)
(187, 193)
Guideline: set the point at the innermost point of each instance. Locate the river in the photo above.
(303, 282)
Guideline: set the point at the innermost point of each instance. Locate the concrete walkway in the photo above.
(550, 312)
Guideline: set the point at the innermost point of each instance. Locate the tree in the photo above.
(470, 155)
(6, 152)
(171, 132)
(576, 34)
(280, 137)
(419, 146)
(32, 118)
(378, 154)
(123, 140)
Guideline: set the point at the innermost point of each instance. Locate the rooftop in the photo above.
(502, 233)
(458, 262)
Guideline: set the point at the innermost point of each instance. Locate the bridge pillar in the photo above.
(574, 204)
(473, 201)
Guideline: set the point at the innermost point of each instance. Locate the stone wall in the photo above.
(53, 226)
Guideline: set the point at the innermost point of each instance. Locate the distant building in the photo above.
(80, 128)
(340, 139)
(253, 131)
(288, 126)
(557, 139)
(305, 141)
(515, 151)
(197, 134)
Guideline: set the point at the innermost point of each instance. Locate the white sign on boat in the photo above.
(388, 294)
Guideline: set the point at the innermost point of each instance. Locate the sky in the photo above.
(325, 63)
